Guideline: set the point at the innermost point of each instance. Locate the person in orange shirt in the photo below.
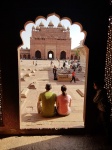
(73, 76)
(63, 102)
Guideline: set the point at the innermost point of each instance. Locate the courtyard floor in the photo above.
(39, 75)
(31, 119)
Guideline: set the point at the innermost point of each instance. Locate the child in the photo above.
(73, 76)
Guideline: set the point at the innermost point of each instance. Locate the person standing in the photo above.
(64, 64)
(73, 76)
(46, 102)
(63, 102)
(103, 106)
(51, 63)
(55, 72)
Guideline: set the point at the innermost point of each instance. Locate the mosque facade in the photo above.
(48, 43)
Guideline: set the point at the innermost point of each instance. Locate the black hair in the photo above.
(48, 87)
(63, 89)
(98, 83)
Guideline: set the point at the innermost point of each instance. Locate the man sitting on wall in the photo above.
(46, 102)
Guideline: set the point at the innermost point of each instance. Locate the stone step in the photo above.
(24, 93)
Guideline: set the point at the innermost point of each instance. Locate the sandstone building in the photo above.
(48, 43)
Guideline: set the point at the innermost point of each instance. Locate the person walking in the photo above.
(46, 102)
(73, 76)
(63, 102)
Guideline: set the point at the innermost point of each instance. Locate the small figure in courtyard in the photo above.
(36, 63)
(64, 64)
(58, 62)
(79, 68)
(74, 65)
(46, 102)
(63, 102)
(55, 72)
(73, 76)
(103, 106)
(78, 63)
(52, 63)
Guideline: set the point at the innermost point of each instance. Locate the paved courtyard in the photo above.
(31, 119)
(39, 75)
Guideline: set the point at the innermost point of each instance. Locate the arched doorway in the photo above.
(28, 56)
(50, 55)
(37, 54)
(24, 56)
(63, 55)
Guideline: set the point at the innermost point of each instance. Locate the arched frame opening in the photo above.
(63, 55)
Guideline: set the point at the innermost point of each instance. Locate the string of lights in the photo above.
(108, 63)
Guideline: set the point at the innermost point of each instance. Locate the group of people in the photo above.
(73, 72)
(49, 104)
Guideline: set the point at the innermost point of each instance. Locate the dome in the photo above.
(64, 29)
(60, 25)
(33, 27)
(37, 28)
(50, 24)
(41, 24)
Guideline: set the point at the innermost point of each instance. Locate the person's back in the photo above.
(63, 102)
(47, 99)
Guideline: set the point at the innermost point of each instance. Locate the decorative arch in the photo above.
(51, 51)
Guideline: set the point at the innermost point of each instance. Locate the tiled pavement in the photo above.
(42, 75)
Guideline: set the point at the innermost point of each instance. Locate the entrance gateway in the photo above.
(49, 42)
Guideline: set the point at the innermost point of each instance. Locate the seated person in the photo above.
(46, 102)
(63, 102)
